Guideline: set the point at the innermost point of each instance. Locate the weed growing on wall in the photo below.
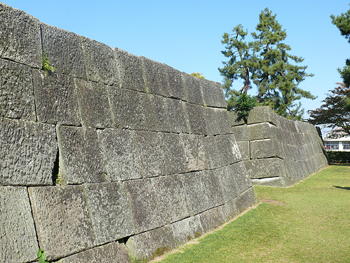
(46, 64)
(42, 256)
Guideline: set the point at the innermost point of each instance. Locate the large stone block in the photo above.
(27, 152)
(149, 145)
(260, 131)
(174, 155)
(228, 149)
(155, 77)
(99, 62)
(16, 90)
(197, 120)
(229, 209)
(130, 70)
(196, 193)
(212, 152)
(177, 115)
(244, 149)
(171, 197)
(161, 113)
(145, 207)
(193, 89)
(144, 245)
(132, 109)
(121, 158)
(213, 93)
(246, 199)
(241, 133)
(240, 175)
(186, 229)
(94, 104)
(176, 88)
(235, 120)
(194, 152)
(81, 159)
(64, 51)
(224, 121)
(265, 148)
(109, 210)
(227, 179)
(211, 219)
(56, 98)
(213, 122)
(264, 168)
(263, 114)
(112, 252)
(20, 38)
(62, 220)
(212, 185)
(17, 231)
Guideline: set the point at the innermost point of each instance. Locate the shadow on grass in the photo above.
(340, 187)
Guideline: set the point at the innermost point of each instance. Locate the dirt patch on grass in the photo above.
(273, 202)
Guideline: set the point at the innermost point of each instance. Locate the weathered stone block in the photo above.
(224, 121)
(132, 109)
(174, 156)
(20, 38)
(194, 152)
(62, 220)
(161, 113)
(211, 218)
(263, 168)
(241, 133)
(155, 77)
(172, 197)
(149, 145)
(119, 150)
(186, 229)
(212, 152)
(16, 90)
(99, 62)
(240, 175)
(145, 207)
(228, 149)
(212, 184)
(144, 245)
(109, 210)
(193, 89)
(213, 122)
(265, 148)
(94, 104)
(17, 230)
(56, 98)
(260, 131)
(64, 51)
(112, 252)
(176, 88)
(263, 114)
(246, 199)
(196, 193)
(130, 70)
(196, 117)
(213, 93)
(81, 159)
(234, 119)
(28, 152)
(227, 179)
(243, 147)
(177, 115)
(229, 209)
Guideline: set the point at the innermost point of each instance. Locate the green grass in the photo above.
(310, 222)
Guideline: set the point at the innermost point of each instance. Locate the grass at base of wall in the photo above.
(309, 222)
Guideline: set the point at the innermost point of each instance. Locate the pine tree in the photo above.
(266, 63)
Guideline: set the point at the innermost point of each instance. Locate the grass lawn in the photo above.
(309, 222)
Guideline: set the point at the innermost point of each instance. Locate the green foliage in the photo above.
(265, 62)
(343, 23)
(335, 110)
(46, 64)
(41, 256)
(243, 104)
(338, 157)
(160, 251)
(197, 234)
(197, 75)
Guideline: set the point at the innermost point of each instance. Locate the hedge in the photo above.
(339, 157)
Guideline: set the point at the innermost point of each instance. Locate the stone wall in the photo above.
(110, 155)
(277, 151)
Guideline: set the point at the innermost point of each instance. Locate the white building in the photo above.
(336, 141)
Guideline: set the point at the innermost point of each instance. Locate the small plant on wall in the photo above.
(46, 64)
(42, 256)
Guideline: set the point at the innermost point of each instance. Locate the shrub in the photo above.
(243, 104)
(339, 157)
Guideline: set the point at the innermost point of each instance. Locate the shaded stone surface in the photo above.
(176, 88)
(20, 38)
(234, 119)
(229, 209)
(109, 211)
(27, 152)
(81, 159)
(213, 93)
(246, 199)
(241, 176)
(193, 89)
(174, 156)
(155, 77)
(144, 245)
(17, 230)
(121, 158)
(211, 218)
(94, 104)
(228, 149)
(244, 149)
(186, 229)
(227, 178)
(130, 70)
(161, 113)
(172, 197)
(266, 148)
(212, 184)
(64, 51)
(99, 62)
(112, 252)
(213, 154)
(194, 152)
(177, 115)
(263, 114)
(16, 91)
(56, 98)
(145, 207)
(149, 145)
(260, 131)
(62, 220)
(272, 167)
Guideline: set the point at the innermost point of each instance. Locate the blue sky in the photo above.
(187, 34)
